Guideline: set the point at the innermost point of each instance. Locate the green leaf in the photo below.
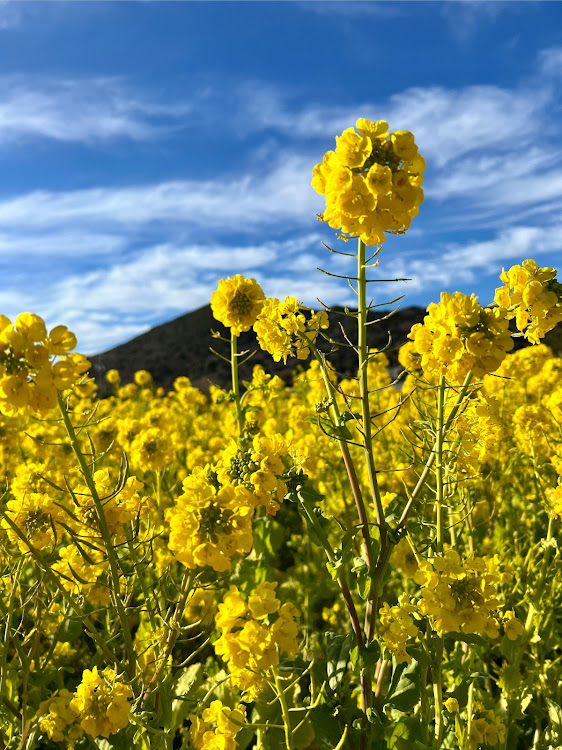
(309, 495)
(185, 685)
(312, 535)
(338, 647)
(366, 658)
(404, 691)
(555, 716)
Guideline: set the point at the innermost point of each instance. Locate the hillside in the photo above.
(182, 347)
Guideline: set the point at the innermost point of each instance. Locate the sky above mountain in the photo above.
(149, 149)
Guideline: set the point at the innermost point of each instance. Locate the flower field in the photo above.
(329, 564)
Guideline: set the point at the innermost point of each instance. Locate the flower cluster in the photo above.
(284, 331)
(29, 375)
(120, 505)
(480, 431)
(100, 707)
(396, 626)
(58, 719)
(533, 297)
(257, 468)
(218, 727)
(459, 336)
(461, 595)
(254, 634)
(372, 181)
(237, 303)
(486, 728)
(210, 522)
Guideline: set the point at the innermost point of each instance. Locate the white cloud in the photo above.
(237, 203)
(59, 244)
(85, 110)
(105, 305)
(448, 123)
(550, 61)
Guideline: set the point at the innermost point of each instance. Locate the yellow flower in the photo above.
(237, 303)
(143, 377)
(57, 715)
(29, 374)
(102, 703)
(533, 297)
(283, 330)
(372, 182)
(452, 705)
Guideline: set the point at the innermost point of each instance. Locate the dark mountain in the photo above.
(182, 347)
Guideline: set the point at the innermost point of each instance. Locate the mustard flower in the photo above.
(237, 303)
(372, 182)
(102, 702)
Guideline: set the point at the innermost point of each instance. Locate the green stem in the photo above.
(439, 463)
(362, 313)
(106, 536)
(173, 632)
(284, 710)
(533, 608)
(437, 671)
(438, 693)
(348, 461)
(235, 382)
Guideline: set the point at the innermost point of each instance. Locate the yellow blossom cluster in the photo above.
(554, 499)
(397, 626)
(257, 468)
(284, 331)
(237, 303)
(533, 297)
(218, 727)
(461, 595)
(99, 706)
(459, 336)
(35, 364)
(254, 633)
(372, 181)
(210, 522)
(480, 431)
(486, 728)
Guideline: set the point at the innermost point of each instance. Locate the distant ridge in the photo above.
(182, 347)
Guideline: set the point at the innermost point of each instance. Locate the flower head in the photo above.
(372, 181)
(237, 303)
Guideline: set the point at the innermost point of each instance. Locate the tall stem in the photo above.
(235, 381)
(364, 389)
(347, 459)
(437, 670)
(439, 463)
(284, 710)
(106, 536)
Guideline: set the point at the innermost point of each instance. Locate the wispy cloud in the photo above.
(493, 160)
(251, 201)
(110, 301)
(85, 110)
(550, 61)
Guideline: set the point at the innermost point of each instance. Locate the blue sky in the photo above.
(148, 149)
